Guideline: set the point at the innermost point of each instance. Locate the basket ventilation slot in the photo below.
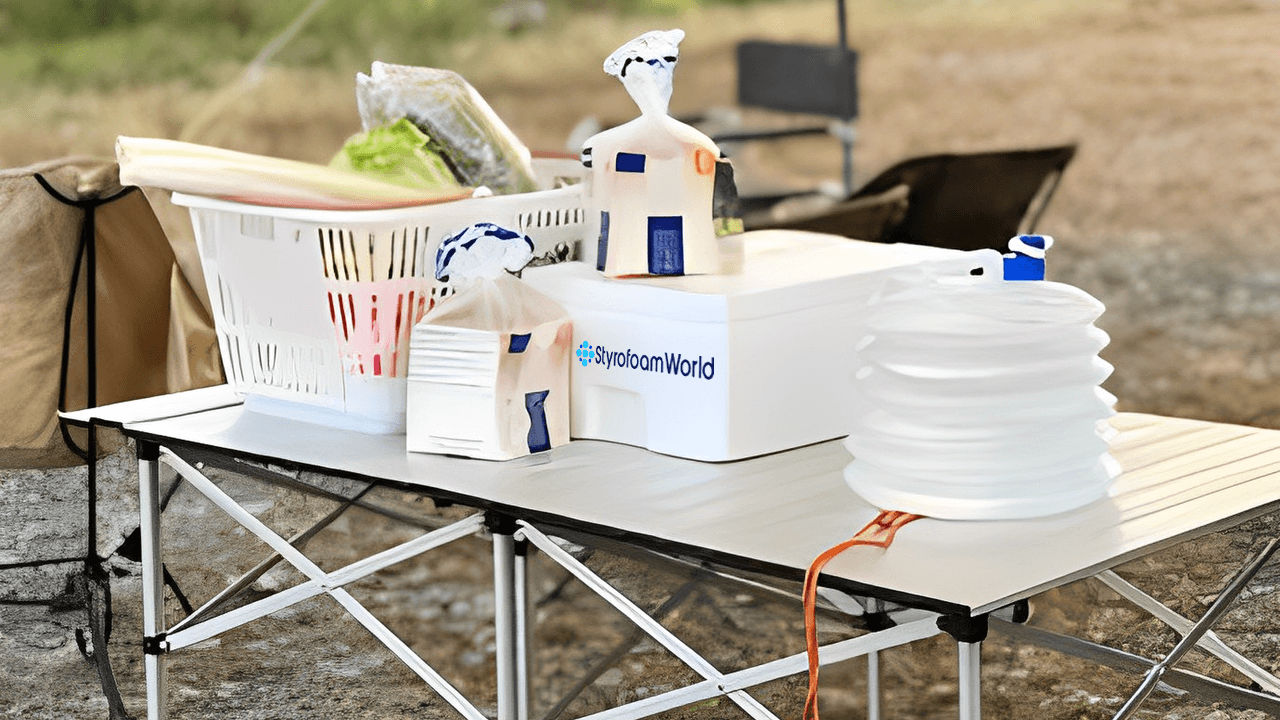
(375, 294)
(277, 365)
(560, 217)
(347, 258)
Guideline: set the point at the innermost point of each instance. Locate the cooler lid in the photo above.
(764, 272)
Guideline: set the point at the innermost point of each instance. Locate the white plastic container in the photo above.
(977, 398)
(720, 367)
(313, 308)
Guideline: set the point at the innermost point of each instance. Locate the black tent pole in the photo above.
(97, 583)
(91, 365)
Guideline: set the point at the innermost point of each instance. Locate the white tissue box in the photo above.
(755, 360)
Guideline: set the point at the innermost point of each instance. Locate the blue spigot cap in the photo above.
(1026, 261)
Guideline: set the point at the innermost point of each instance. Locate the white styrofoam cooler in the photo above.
(313, 308)
(755, 360)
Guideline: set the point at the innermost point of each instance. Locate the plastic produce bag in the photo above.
(481, 148)
(977, 398)
(489, 365)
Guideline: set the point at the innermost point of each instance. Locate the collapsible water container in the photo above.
(977, 398)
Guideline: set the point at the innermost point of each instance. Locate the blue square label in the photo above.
(666, 245)
(629, 162)
(602, 245)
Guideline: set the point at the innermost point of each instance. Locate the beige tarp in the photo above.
(154, 333)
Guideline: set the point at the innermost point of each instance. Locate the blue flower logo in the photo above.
(585, 353)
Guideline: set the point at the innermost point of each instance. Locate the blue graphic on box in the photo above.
(669, 363)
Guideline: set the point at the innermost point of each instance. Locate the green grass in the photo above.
(72, 44)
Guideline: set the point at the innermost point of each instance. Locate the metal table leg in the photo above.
(523, 628)
(873, 685)
(152, 579)
(876, 617)
(970, 680)
(506, 619)
(968, 632)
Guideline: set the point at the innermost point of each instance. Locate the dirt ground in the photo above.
(1167, 215)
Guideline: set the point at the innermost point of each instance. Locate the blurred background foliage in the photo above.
(111, 43)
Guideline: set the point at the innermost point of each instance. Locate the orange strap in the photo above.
(878, 533)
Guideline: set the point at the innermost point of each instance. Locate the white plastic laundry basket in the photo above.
(313, 308)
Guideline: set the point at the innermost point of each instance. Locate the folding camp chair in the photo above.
(812, 80)
(866, 217)
(972, 201)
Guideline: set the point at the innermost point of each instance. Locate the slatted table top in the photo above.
(1182, 478)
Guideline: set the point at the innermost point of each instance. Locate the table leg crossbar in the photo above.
(1205, 688)
(318, 582)
(732, 685)
(1195, 633)
(251, 576)
(1210, 642)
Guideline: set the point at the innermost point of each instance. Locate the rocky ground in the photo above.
(1166, 215)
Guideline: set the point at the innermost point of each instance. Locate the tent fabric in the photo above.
(143, 348)
(193, 356)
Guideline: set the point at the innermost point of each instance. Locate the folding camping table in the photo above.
(771, 514)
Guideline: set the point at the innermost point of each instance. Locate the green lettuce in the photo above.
(398, 153)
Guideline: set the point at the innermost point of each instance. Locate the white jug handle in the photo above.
(961, 265)
(991, 262)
